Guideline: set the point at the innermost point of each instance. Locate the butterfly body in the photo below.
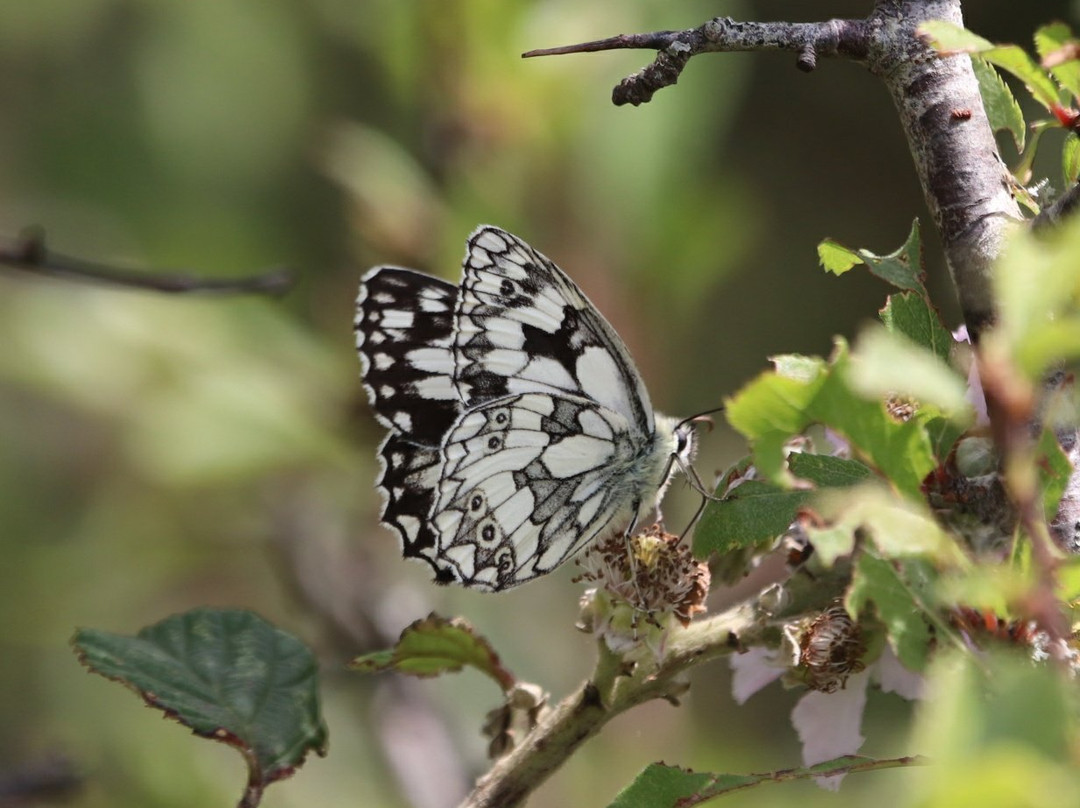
(520, 429)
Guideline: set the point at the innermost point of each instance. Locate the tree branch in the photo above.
(29, 254)
(964, 181)
(846, 38)
(584, 713)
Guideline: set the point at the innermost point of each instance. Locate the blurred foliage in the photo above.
(162, 453)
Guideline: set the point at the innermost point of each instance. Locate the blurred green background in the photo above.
(159, 453)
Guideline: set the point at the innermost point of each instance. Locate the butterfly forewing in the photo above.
(404, 333)
(519, 427)
(522, 325)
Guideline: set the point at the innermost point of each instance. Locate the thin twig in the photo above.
(846, 38)
(1052, 216)
(29, 254)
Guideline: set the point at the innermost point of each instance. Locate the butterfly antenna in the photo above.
(701, 418)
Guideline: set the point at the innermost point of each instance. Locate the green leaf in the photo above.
(1037, 288)
(659, 785)
(997, 702)
(836, 258)
(663, 786)
(1070, 159)
(754, 512)
(881, 582)
(898, 528)
(998, 588)
(229, 676)
(943, 434)
(437, 645)
(911, 315)
(949, 39)
(772, 408)
(901, 451)
(1056, 47)
(826, 471)
(1054, 472)
(1001, 106)
(1068, 573)
(887, 363)
(902, 268)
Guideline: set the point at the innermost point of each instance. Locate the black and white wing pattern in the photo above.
(520, 429)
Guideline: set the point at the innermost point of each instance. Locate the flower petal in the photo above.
(753, 670)
(828, 724)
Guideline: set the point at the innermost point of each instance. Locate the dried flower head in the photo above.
(831, 649)
(900, 407)
(650, 575)
(653, 572)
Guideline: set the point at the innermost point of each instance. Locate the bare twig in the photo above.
(29, 254)
(847, 38)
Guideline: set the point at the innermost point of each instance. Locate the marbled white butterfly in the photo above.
(520, 429)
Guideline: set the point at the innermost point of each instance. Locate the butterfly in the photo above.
(519, 428)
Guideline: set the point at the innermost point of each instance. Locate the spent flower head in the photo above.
(644, 585)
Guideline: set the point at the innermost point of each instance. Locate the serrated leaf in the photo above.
(901, 451)
(663, 786)
(911, 315)
(949, 38)
(1002, 109)
(836, 258)
(755, 512)
(228, 675)
(1070, 159)
(902, 268)
(826, 471)
(880, 581)
(1057, 51)
(886, 363)
(659, 786)
(436, 645)
(773, 408)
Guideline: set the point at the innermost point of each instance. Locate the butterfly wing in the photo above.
(522, 326)
(519, 427)
(527, 480)
(405, 335)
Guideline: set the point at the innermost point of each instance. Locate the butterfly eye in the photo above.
(476, 503)
(507, 288)
(494, 442)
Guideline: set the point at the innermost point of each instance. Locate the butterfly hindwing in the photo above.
(526, 481)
